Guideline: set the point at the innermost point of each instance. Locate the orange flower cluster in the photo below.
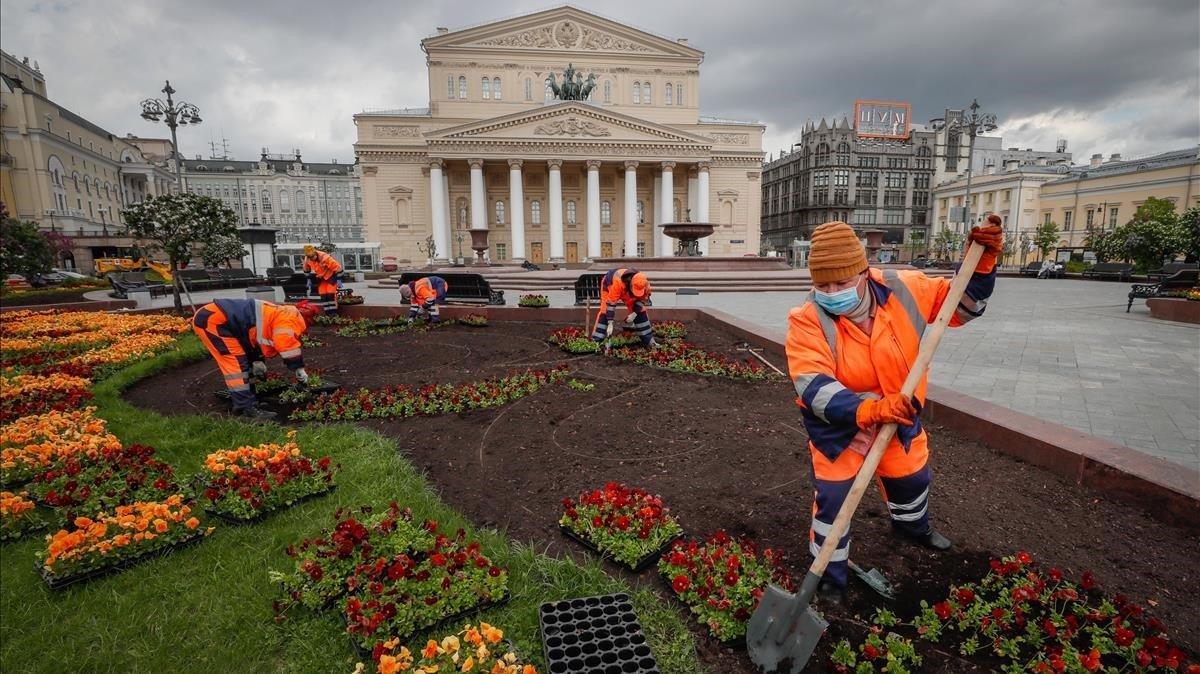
(14, 505)
(16, 515)
(27, 394)
(474, 649)
(129, 531)
(246, 457)
(131, 348)
(33, 443)
(82, 327)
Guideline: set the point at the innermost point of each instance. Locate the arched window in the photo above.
(486, 88)
(646, 93)
(87, 186)
(528, 89)
(669, 99)
(266, 201)
(500, 212)
(58, 182)
(450, 86)
(75, 179)
(637, 92)
(496, 88)
(678, 94)
(301, 204)
(843, 148)
(462, 87)
(605, 212)
(535, 212)
(641, 212)
(285, 201)
(607, 91)
(571, 212)
(549, 92)
(924, 151)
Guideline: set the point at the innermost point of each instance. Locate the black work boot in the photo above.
(255, 414)
(830, 594)
(932, 539)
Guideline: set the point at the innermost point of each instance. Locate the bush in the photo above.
(1077, 266)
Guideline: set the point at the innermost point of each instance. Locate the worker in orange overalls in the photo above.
(425, 294)
(849, 349)
(631, 288)
(327, 271)
(241, 334)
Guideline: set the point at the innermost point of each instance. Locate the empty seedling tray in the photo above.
(594, 635)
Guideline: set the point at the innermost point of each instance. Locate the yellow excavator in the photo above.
(106, 265)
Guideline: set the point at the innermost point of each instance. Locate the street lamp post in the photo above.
(974, 124)
(173, 113)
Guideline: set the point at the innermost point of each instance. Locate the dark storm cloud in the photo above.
(1108, 75)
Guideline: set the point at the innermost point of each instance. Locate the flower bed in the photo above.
(94, 481)
(573, 340)
(533, 301)
(109, 542)
(17, 516)
(31, 444)
(669, 330)
(403, 401)
(678, 356)
(350, 300)
(474, 648)
(722, 580)
(474, 320)
(247, 483)
(366, 327)
(25, 395)
(40, 330)
(626, 524)
(332, 320)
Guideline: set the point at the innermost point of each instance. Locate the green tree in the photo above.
(223, 250)
(947, 243)
(1046, 238)
(1154, 234)
(23, 249)
(1189, 224)
(175, 223)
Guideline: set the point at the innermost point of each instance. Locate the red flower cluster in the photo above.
(679, 356)
(27, 395)
(87, 484)
(723, 579)
(626, 523)
(248, 481)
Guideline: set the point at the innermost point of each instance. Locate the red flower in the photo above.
(1024, 557)
(1088, 581)
(1091, 661)
(942, 609)
(1048, 626)
(437, 559)
(870, 652)
(731, 578)
(1123, 637)
(964, 596)
(1054, 574)
(494, 571)
(681, 583)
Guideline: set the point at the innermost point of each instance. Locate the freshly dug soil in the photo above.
(725, 454)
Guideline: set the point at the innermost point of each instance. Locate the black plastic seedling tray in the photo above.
(60, 582)
(641, 565)
(453, 621)
(594, 635)
(263, 514)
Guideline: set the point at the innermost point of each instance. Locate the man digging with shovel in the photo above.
(858, 353)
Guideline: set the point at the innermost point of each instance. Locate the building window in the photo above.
(535, 212)
(300, 202)
(501, 251)
(571, 212)
(1008, 195)
(637, 92)
(528, 89)
(1088, 218)
(486, 88)
(645, 93)
(896, 179)
(500, 212)
(920, 199)
(893, 218)
(678, 94)
(450, 86)
(266, 201)
(669, 95)
(1045, 217)
(605, 212)
(641, 213)
(841, 178)
(1112, 218)
(496, 88)
(285, 201)
(893, 198)
(641, 249)
(607, 91)
(1067, 220)
(462, 87)
(921, 181)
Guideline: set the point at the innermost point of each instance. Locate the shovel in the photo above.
(784, 626)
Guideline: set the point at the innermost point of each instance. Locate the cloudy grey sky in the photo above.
(1108, 75)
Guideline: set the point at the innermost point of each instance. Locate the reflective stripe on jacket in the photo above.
(325, 266)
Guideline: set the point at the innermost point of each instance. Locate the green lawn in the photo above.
(207, 608)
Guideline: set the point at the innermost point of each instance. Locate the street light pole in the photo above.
(173, 114)
(974, 124)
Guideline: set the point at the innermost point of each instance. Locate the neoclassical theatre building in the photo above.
(550, 179)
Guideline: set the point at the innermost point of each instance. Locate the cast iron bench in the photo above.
(122, 283)
(1035, 268)
(1119, 270)
(587, 289)
(295, 287)
(1170, 269)
(233, 278)
(464, 288)
(1180, 280)
(196, 279)
(277, 275)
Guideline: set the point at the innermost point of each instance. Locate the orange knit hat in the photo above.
(836, 253)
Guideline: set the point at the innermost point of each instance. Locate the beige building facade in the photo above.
(557, 180)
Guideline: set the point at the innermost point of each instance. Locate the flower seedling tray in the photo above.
(262, 514)
(450, 620)
(641, 565)
(24, 533)
(732, 642)
(60, 582)
(594, 635)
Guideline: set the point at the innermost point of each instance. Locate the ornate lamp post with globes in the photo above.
(972, 124)
(173, 113)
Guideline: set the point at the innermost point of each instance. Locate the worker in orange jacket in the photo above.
(631, 288)
(849, 350)
(327, 271)
(242, 334)
(424, 295)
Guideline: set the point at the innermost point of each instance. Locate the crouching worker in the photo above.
(242, 334)
(424, 295)
(849, 350)
(631, 288)
(326, 271)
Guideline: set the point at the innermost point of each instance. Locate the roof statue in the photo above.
(573, 87)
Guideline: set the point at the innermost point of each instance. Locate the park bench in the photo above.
(236, 278)
(587, 289)
(122, 283)
(295, 287)
(277, 275)
(1118, 270)
(1170, 269)
(196, 279)
(463, 287)
(1034, 268)
(1180, 280)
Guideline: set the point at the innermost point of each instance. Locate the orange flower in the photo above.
(430, 650)
(192, 523)
(161, 526)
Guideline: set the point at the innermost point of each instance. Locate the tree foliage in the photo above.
(1189, 223)
(23, 249)
(222, 250)
(947, 243)
(1046, 237)
(1154, 234)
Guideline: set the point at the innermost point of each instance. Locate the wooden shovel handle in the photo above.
(929, 344)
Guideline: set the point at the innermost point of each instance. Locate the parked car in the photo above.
(60, 275)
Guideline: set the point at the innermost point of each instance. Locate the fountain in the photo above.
(688, 234)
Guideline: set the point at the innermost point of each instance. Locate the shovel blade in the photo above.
(770, 640)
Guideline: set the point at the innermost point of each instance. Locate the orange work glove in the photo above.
(893, 408)
(991, 237)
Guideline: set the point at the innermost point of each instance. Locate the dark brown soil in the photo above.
(724, 454)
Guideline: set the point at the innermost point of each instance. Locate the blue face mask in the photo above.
(839, 303)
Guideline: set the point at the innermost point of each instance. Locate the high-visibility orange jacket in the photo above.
(326, 268)
(429, 288)
(834, 364)
(619, 287)
(268, 328)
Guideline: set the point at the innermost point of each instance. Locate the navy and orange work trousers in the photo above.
(230, 352)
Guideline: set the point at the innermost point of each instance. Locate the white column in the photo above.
(478, 196)
(701, 212)
(656, 218)
(516, 209)
(630, 211)
(593, 209)
(556, 210)
(668, 205)
(437, 204)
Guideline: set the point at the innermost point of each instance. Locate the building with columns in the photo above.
(557, 180)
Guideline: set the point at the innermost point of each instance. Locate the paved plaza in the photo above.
(1061, 350)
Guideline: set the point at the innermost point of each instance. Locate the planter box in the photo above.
(1174, 309)
(642, 564)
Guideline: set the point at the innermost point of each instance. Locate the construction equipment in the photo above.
(107, 265)
(784, 626)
